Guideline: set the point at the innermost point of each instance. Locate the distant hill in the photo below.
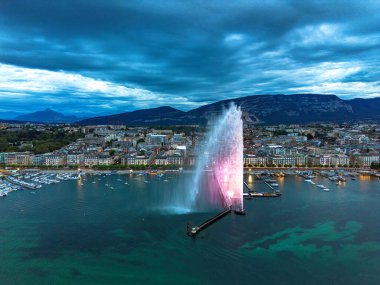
(267, 109)
(156, 116)
(46, 116)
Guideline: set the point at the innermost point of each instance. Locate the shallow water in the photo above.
(70, 233)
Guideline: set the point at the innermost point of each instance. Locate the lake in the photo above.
(104, 231)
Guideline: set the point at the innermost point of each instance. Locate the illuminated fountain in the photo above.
(218, 178)
(217, 182)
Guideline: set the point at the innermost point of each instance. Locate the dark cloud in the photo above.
(188, 52)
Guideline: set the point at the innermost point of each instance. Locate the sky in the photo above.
(88, 57)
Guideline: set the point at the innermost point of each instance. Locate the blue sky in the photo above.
(89, 57)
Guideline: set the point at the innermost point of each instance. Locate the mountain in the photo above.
(275, 109)
(156, 116)
(46, 116)
(366, 108)
(267, 109)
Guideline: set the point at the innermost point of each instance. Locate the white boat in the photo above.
(321, 186)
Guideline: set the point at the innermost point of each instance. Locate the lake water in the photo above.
(69, 233)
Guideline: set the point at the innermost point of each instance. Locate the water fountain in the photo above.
(217, 182)
(218, 178)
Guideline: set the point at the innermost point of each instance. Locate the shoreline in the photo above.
(246, 170)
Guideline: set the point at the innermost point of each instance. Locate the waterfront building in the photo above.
(340, 160)
(55, 160)
(292, 160)
(136, 160)
(175, 160)
(254, 160)
(75, 159)
(38, 160)
(23, 158)
(91, 159)
(366, 160)
(160, 160)
(105, 160)
(10, 158)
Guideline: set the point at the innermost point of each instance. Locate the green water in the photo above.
(70, 233)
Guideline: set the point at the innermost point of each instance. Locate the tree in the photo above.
(309, 137)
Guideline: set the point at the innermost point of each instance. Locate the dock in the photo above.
(193, 231)
(261, 195)
(246, 185)
(270, 186)
(20, 183)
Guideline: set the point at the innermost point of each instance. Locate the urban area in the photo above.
(121, 147)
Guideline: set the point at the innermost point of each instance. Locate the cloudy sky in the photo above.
(88, 57)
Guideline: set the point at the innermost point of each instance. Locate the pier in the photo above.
(20, 183)
(193, 231)
(270, 186)
(246, 185)
(261, 195)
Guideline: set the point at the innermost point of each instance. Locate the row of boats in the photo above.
(31, 181)
(7, 187)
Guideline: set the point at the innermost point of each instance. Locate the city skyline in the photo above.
(115, 56)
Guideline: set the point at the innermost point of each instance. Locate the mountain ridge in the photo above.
(46, 116)
(267, 109)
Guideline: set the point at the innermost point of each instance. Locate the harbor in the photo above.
(14, 180)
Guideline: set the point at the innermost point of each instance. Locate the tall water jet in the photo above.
(218, 178)
(217, 182)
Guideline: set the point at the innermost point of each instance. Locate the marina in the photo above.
(34, 180)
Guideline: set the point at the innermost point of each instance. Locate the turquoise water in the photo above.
(70, 233)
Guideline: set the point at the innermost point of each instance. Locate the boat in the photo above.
(326, 189)
(321, 186)
(274, 184)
